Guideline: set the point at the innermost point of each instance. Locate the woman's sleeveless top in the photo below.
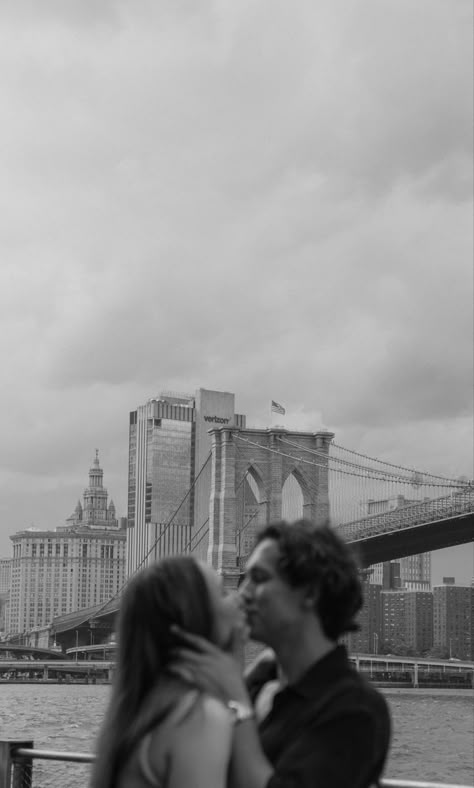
(138, 771)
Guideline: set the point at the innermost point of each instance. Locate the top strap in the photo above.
(175, 717)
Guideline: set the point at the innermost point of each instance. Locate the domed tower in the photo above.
(95, 510)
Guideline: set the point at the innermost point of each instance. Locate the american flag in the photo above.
(276, 408)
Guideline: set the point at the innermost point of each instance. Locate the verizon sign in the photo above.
(216, 419)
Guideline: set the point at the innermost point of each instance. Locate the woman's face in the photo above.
(227, 612)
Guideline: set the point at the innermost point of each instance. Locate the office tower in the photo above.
(5, 574)
(419, 620)
(393, 629)
(169, 473)
(368, 638)
(73, 567)
(415, 570)
(94, 512)
(407, 621)
(453, 619)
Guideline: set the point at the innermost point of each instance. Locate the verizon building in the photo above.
(169, 472)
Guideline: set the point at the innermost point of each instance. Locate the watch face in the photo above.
(240, 711)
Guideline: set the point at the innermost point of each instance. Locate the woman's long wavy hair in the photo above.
(171, 591)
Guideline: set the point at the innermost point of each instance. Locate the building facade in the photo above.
(95, 511)
(169, 473)
(453, 610)
(5, 574)
(5, 580)
(407, 621)
(76, 566)
(367, 639)
(419, 620)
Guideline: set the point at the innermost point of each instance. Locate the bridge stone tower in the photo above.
(256, 457)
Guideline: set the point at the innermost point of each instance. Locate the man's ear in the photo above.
(310, 598)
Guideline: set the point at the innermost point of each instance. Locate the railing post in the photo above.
(15, 772)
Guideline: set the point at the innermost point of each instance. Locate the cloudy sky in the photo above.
(263, 197)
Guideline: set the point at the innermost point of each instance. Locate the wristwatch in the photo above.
(240, 711)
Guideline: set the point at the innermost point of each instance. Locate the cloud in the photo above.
(253, 197)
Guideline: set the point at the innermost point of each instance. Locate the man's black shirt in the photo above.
(331, 729)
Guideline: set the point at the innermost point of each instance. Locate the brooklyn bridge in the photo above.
(386, 511)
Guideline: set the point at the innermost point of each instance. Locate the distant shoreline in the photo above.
(385, 687)
(441, 691)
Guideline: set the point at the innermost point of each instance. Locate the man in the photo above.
(305, 718)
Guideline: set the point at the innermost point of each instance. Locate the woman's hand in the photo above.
(202, 663)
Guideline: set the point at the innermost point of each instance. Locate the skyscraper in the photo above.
(407, 620)
(5, 574)
(453, 611)
(94, 512)
(5, 579)
(169, 473)
(78, 565)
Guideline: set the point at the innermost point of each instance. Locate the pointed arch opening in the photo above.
(251, 512)
(292, 498)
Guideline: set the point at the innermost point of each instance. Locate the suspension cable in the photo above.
(381, 475)
(400, 467)
(388, 474)
(158, 539)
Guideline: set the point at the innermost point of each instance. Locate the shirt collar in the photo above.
(325, 671)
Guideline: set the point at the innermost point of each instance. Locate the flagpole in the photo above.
(275, 409)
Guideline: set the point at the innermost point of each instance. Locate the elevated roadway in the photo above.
(433, 535)
(414, 528)
(29, 652)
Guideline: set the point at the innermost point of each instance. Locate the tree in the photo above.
(437, 652)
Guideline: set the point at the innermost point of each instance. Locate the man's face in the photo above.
(274, 608)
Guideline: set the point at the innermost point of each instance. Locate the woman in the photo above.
(161, 730)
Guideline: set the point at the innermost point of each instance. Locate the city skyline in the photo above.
(443, 562)
(292, 222)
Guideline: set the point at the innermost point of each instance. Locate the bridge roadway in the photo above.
(415, 671)
(434, 535)
(389, 661)
(388, 668)
(46, 667)
(30, 651)
(416, 528)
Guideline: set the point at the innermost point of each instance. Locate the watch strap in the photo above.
(241, 711)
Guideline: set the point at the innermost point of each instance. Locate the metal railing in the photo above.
(16, 766)
(409, 515)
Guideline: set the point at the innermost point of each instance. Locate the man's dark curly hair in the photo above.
(316, 557)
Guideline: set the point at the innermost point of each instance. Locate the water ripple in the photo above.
(432, 739)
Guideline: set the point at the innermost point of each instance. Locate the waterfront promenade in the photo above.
(84, 664)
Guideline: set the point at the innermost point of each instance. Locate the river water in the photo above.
(433, 730)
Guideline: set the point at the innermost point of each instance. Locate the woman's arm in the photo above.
(221, 675)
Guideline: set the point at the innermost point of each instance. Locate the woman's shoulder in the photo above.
(198, 720)
(215, 710)
(197, 708)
